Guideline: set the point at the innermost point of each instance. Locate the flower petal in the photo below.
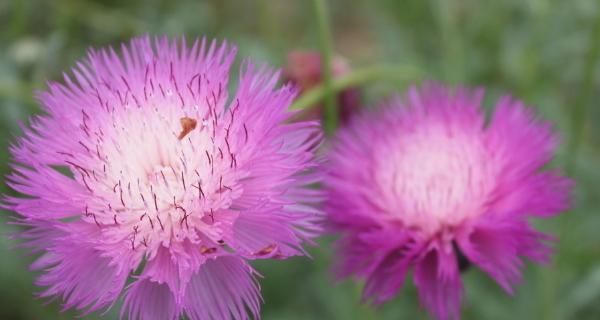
(78, 271)
(496, 246)
(222, 289)
(439, 284)
(149, 300)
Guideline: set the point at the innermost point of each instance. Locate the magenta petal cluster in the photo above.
(427, 181)
(174, 185)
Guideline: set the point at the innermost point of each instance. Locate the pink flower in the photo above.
(174, 185)
(427, 183)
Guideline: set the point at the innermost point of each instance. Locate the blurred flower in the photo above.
(426, 184)
(27, 50)
(304, 69)
(172, 186)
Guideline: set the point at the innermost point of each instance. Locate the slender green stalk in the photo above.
(267, 24)
(331, 110)
(356, 78)
(19, 17)
(452, 47)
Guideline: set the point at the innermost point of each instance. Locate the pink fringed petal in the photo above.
(149, 300)
(52, 195)
(497, 245)
(222, 289)
(263, 234)
(388, 267)
(75, 270)
(438, 282)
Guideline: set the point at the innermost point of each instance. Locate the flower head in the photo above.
(304, 69)
(173, 184)
(427, 182)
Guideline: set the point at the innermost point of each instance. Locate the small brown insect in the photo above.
(187, 125)
(206, 250)
(266, 250)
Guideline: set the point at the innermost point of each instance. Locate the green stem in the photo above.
(452, 48)
(267, 24)
(331, 111)
(356, 78)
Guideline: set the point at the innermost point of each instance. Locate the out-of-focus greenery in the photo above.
(542, 51)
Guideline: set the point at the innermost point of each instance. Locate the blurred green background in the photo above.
(543, 51)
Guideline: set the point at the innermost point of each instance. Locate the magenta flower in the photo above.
(174, 186)
(427, 184)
